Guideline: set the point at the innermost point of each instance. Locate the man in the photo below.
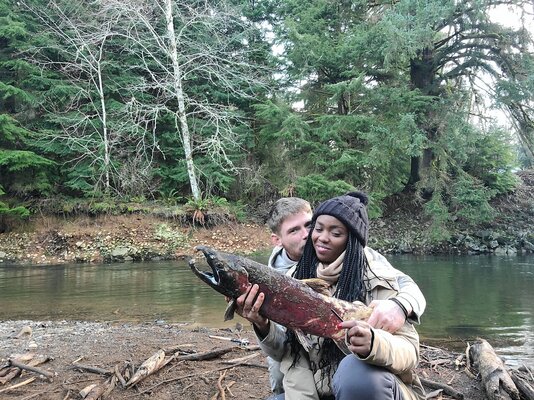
(289, 221)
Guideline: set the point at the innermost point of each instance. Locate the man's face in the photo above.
(293, 234)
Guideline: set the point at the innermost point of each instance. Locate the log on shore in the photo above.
(496, 380)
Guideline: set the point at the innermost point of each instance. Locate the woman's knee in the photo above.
(355, 379)
(277, 397)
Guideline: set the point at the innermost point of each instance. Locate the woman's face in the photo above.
(329, 237)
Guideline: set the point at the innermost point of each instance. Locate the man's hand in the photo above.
(387, 315)
(359, 337)
(248, 306)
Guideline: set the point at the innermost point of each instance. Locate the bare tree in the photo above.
(93, 131)
(178, 44)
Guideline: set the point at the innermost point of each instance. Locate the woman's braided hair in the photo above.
(351, 284)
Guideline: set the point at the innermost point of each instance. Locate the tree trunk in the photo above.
(422, 78)
(105, 135)
(181, 115)
(419, 171)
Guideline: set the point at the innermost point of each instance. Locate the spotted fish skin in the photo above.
(288, 301)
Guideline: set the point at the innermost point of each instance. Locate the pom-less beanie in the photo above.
(351, 209)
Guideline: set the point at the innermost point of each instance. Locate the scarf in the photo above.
(331, 272)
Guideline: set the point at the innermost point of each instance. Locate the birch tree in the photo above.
(100, 138)
(181, 46)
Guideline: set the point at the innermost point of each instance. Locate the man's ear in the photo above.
(275, 240)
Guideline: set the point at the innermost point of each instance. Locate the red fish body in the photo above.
(288, 301)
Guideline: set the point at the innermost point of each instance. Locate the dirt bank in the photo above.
(51, 240)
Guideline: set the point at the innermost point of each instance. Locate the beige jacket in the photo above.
(398, 353)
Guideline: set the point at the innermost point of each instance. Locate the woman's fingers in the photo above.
(358, 336)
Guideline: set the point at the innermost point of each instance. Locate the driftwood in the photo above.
(119, 376)
(179, 378)
(496, 380)
(39, 371)
(11, 373)
(526, 389)
(208, 355)
(89, 368)
(30, 380)
(29, 361)
(445, 388)
(151, 365)
(97, 391)
(93, 391)
(8, 373)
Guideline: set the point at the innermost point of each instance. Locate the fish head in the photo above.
(226, 276)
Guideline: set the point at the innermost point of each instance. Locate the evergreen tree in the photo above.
(389, 92)
(23, 172)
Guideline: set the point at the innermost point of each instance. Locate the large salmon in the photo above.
(288, 301)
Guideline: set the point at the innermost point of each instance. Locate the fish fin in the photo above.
(230, 310)
(319, 285)
(303, 340)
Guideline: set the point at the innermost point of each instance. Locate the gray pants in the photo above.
(357, 380)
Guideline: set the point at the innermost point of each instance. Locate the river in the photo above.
(468, 297)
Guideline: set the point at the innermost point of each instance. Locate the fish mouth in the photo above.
(212, 278)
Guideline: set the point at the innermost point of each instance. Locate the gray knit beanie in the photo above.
(351, 210)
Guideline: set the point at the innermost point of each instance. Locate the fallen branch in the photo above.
(31, 396)
(208, 355)
(442, 386)
(89, 368)
(179, 378)
(524, 368)
(11, 374)
(242, 359)
(524, 387)
(39, 371)
(112, 383)
(227, 387)
(220, 387)
(496, 380)
(93, 391)
(245, 361)
(119, 376)
(8, 372)
(27, 381)
(151, 365)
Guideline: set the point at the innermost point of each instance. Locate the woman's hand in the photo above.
(359, 337)
(248, 306)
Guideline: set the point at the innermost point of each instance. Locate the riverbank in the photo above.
(154, 234)
(403, 228)
(108, 345)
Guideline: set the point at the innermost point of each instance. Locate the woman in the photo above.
(375, 364)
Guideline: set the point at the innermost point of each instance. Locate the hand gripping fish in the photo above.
(288, 301)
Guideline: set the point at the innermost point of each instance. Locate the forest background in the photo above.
(182, 108)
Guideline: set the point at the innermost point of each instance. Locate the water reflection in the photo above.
(138, 292)
(477, 296)
(468, 297)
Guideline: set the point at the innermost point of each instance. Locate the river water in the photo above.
(468, 297)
